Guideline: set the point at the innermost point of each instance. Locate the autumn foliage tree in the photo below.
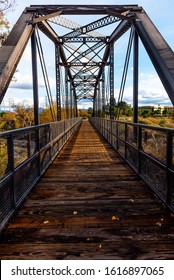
(5, 6)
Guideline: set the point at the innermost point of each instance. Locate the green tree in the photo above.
(125, 108)
(90, 110)
(157, 112)
(145, 113)
(165, 112)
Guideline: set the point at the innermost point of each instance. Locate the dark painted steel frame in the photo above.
(58, 97)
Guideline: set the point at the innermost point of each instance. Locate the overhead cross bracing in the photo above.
(85, 51)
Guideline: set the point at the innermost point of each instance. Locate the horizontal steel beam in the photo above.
(82, 9)
(83, 40)
(84, 64)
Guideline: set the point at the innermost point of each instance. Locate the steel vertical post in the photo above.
(99, 100)
(103, 93)
(66, 93)
(71, 99)
(58, 97)
(94, 103)
(75, 103)
(112, 81)
(35, 78)
(135, 77)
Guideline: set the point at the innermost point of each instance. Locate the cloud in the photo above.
(84, 104)
(151, 91)
(25, 82)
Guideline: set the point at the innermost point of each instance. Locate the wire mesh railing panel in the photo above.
(132, 135)
(55, 148)
(44, 136)
(57, 129)
(121, 131)
(154, 175)
(114, 128)
(121, 147)
(171, 194)
(21, 183)
(5, 165)
(21, 146)
(132, 157)
(6, 201)
(45, 158)
(154, 143)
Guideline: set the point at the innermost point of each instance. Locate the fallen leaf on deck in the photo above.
(159, 224)
(46, 222)
(74, 212)
(115, 218)
(100, 246)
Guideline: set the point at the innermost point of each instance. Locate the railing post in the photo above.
(38, 150)
(10, 146)
(139, 129)
(111, 131)
(117, 135)
(125, 139)
(168, 165)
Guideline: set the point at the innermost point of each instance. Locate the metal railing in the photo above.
(25, 154)
(147, 149)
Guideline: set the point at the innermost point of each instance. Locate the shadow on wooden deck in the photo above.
(90, 205)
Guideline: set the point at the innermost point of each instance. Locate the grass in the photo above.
(154, 121)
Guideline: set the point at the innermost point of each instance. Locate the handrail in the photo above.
(25, 154)
(149, 150)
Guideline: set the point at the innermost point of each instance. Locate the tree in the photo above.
(90, 110)
(125, 108)
(145, 113)
(24, 116)
(5, 6)
(165, 112)
(8, 121)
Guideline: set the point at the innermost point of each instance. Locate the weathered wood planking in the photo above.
(90, 205)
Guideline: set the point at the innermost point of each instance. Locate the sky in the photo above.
(151, 91)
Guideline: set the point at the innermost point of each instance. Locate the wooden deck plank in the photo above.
(70, 213)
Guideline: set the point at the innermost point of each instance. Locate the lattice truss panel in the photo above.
(84, 48)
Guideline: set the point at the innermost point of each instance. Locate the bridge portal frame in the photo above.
(125, 15)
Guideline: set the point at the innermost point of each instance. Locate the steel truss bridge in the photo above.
(84, 69)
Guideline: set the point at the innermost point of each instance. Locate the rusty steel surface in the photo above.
(90, 205)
